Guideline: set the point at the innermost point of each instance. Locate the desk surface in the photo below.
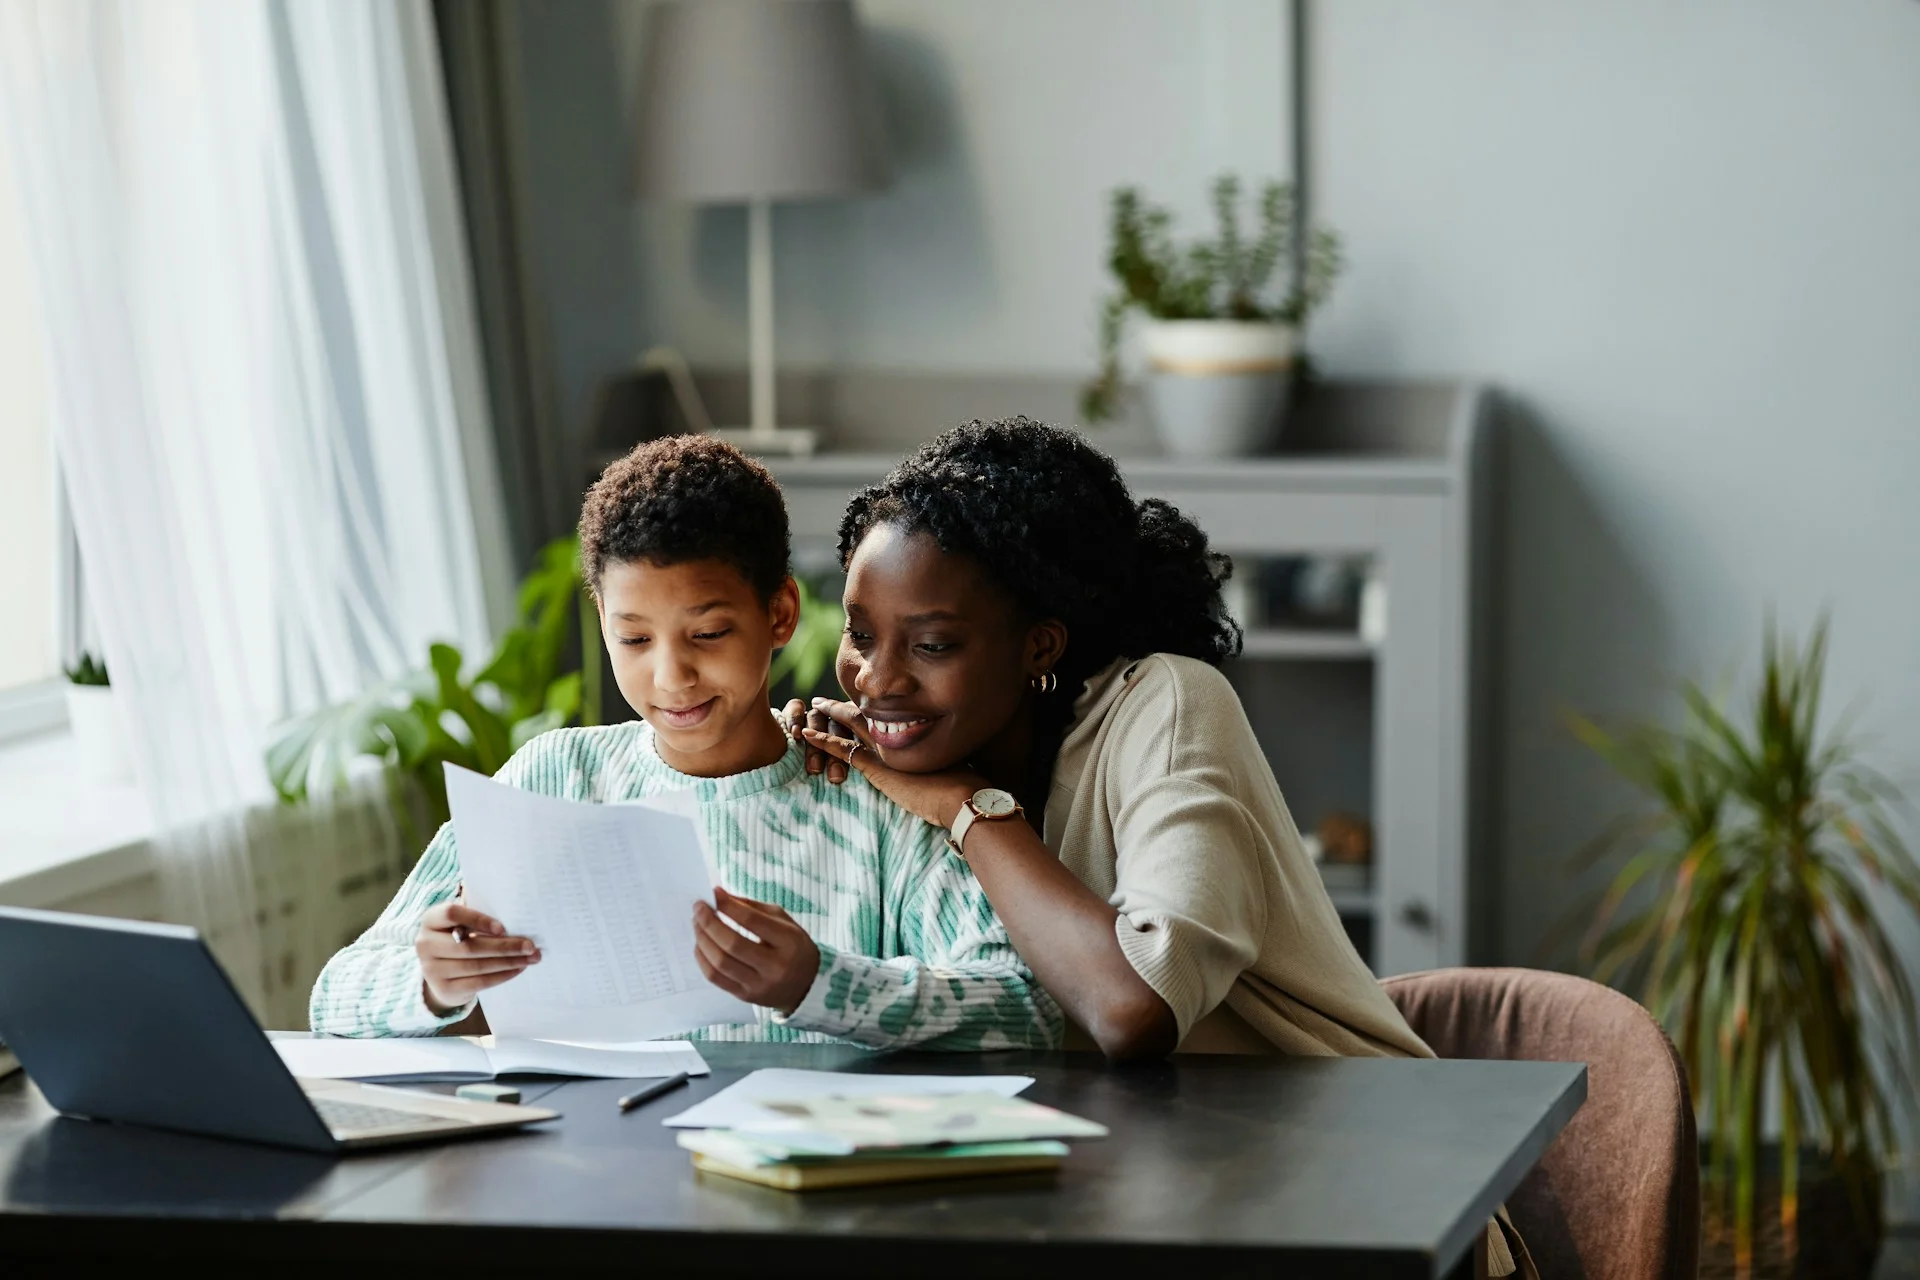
(1355, 1168)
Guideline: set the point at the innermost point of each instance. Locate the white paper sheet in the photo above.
(607, 890)
(734, 1105)
(481, 1058)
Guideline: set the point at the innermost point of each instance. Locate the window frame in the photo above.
(31, 710)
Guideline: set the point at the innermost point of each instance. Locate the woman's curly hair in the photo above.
(1051, 520)
(687, 498)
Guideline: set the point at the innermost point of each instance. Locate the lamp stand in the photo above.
(762, 436)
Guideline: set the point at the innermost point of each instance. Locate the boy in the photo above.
(870, 929)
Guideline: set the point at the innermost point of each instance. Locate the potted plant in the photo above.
(1219, 339)
(1756, 933)
(98, 724)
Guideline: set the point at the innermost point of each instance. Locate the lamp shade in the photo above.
(756, 100)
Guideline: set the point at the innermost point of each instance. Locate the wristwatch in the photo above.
(988, 804)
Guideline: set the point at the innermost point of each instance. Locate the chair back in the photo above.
(1617, 1196)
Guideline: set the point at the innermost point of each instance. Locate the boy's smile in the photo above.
(686, 717)
(690, 645)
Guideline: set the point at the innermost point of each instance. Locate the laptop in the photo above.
(135, 1022)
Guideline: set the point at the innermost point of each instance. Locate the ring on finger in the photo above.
(854, 750)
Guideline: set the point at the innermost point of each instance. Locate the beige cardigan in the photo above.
(1164, 805)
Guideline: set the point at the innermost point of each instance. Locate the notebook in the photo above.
(466, 1058)
(721, 1153)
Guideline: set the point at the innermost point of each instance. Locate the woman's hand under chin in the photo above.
(833, 733)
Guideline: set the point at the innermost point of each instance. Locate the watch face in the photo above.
(994, 803)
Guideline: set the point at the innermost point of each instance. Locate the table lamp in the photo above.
(752, 101)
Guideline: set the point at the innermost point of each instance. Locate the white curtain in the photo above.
(267, 404)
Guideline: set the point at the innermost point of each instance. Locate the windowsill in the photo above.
(63, 834)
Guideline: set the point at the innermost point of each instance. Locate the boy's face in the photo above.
(690, 645)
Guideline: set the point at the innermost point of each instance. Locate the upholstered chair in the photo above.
(1617, 1196)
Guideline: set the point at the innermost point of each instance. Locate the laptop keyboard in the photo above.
(352, 1117)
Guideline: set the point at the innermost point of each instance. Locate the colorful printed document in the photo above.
(840, 1126)
(737, 1104)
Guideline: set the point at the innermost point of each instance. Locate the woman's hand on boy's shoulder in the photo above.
(463, 952)
(930, 797)
(798, 720)
(774, 968)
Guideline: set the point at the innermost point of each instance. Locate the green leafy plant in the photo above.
(89, 670)
(808, 657)
(1227, 278)
(440, 715)
(1756, 940)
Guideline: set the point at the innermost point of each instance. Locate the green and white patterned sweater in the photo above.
(911, 952)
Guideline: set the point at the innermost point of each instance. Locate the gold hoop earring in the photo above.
(1045, 682)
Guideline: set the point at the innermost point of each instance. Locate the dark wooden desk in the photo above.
(1233, 1165)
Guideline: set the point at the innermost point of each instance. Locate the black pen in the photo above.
(651, 1092)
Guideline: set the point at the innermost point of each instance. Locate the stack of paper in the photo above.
(802, 1130)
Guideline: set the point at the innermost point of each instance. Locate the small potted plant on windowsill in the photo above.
(1220, 342)
(99, 727)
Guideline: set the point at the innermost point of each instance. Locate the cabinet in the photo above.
(1392, 476)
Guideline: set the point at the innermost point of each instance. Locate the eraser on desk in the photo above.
(487, 1093)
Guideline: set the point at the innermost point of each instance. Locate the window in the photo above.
(35, 559)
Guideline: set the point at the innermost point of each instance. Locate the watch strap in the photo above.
(961, 825)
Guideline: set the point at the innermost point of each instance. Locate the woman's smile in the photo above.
(897, 730)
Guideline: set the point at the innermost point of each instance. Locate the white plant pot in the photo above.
(1218, 388)
(100, 733)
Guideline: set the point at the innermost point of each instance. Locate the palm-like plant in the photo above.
(1759, 946)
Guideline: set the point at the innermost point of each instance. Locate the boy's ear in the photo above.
(783, 610)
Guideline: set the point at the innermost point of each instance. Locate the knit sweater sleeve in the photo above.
(1188, 851)
(947, 978)
(374, 985)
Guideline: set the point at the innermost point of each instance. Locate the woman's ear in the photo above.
(1046, 645)
(783, 611)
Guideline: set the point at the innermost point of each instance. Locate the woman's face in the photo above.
(935, 654)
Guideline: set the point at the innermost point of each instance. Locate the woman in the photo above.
(1032, 662)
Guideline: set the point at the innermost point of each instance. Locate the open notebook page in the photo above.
(440, 1058)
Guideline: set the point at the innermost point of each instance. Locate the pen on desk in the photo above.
(651, 1092)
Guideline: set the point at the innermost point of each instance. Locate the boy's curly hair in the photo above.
(1051, 520)
(687, 498)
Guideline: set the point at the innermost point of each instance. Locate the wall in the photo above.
(1682, 237)
(1010, 121)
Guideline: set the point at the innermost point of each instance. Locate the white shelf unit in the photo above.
(1394, 472)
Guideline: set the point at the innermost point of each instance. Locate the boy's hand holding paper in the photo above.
(463, 952)
(772, 963)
